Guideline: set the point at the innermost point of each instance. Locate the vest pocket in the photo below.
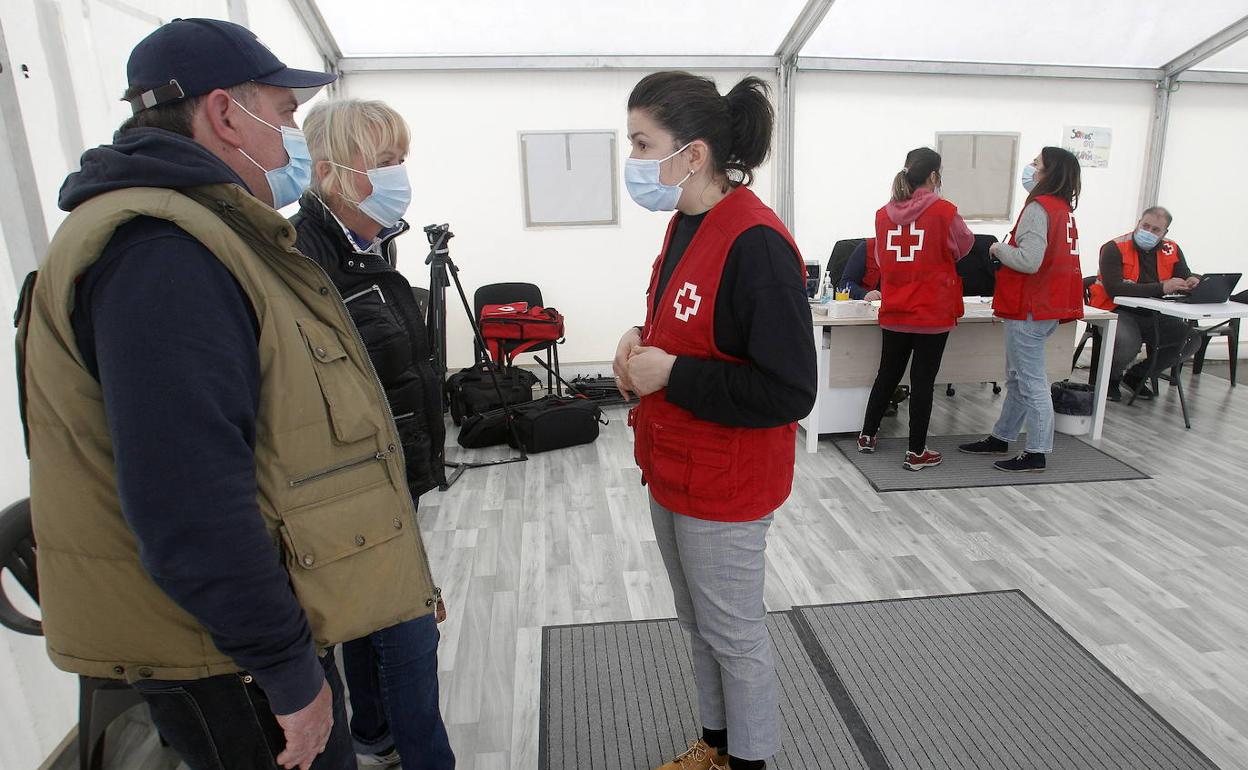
(324, 532)
(698, 463)
(352, 413)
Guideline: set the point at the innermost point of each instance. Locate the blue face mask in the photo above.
(1029, 177)
(641, 177)
(1147, 240)
(391, 195)
(288, 182)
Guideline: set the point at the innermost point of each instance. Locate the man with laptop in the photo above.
(1143, 263)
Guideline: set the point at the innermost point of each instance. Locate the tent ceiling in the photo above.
(1109, 33)
(558, 27)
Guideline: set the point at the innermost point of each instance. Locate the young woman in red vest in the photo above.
(724, 366)
(1039, 285)
(919, 237)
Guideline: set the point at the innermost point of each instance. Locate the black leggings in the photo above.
(894, 355)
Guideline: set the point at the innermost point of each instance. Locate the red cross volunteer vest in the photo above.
(1167, 258)
(1055, 291)
(919, 285)
(692, 466)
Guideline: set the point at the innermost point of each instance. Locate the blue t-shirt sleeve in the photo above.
(173, 341)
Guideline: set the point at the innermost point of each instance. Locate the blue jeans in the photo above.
(1027, 396)
(224, 722)
(392, 677)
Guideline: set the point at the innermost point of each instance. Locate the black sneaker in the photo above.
(1115, 391)
(988, 446)
(1027, 462)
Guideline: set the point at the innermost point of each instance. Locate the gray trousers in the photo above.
(717, 570)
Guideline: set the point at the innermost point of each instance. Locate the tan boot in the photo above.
(698, 756)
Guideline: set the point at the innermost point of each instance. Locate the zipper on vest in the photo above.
(366, 292)
(343, 466)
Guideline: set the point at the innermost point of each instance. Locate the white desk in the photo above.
(1191, 312)
(1188, 311)
(848, 353)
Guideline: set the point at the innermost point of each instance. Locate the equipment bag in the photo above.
(471, 391)
(542, 425)
(518, 322)
(556, 423)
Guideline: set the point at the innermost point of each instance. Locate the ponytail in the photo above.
(920, 164)
(752, 120)
(736, 127)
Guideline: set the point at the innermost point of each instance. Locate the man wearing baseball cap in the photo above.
(217, 492)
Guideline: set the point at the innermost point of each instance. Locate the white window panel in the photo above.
(977, 173)
(570, 178)
(548, 27)
(1109, 33)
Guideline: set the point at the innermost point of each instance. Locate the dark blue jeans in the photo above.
(392, 676)
(225, 723)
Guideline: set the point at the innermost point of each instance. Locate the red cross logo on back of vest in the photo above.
(1072, 236)
(687, 302)
(912, 242)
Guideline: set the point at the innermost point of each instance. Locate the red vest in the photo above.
(695, 467)
(871, 276)
(1167, 258)
(919, 285)
(1055, 291)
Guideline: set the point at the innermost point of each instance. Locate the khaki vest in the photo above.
(332, 488)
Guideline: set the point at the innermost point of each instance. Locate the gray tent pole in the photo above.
(25, 231)
(786, 102)
(1150, 188)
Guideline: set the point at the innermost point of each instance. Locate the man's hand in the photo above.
(1192, 282)
(872, 296)
(307, 731)
(630, 340)
(1174, 285)
(649, 369)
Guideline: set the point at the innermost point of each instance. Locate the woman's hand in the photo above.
(649, 369)
(630, 340)
(872, 296)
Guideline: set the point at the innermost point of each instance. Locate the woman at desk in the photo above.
(1039, 286)
(919, 238)
(725, 366)
(862, 272)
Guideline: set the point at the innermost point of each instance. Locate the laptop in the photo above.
(1213, 289)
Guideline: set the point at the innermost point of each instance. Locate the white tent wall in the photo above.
(1199, 181)
(854, 130)
(75, 52)
(465, 170)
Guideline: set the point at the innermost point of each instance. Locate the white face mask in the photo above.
(286, 182)
(641, 177)
(391, 195)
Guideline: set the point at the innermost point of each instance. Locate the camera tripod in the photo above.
(442, 272)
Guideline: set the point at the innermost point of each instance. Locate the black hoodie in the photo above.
(171, 337)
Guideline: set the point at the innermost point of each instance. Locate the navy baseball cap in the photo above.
(190, 57)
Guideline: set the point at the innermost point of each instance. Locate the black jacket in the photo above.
(393, 330)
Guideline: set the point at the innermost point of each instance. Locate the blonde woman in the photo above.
(348, 222)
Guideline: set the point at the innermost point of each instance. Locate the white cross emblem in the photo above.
(905, 242)
(1072, 236)
(687, 302)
